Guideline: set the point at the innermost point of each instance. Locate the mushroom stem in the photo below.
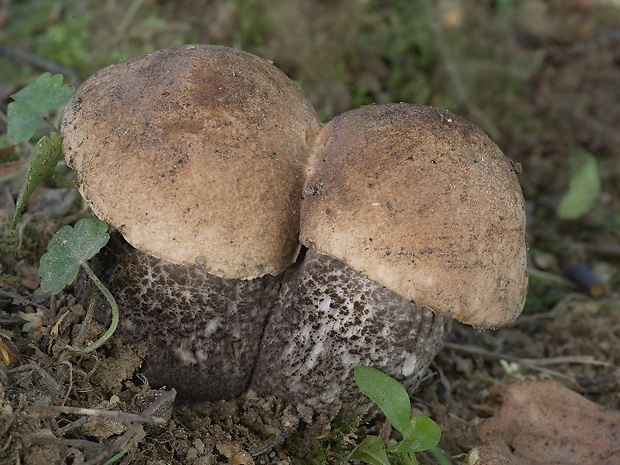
(330, 319)
(203, 331)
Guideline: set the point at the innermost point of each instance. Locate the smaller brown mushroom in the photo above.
(411, 216)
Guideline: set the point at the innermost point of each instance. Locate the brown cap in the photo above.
(422, 202)
(197, 155)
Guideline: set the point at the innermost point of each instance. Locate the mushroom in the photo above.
(412, 216)
(196, 155)
(214, 168)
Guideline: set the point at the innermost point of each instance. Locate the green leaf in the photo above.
(584, 187)
(422, 434)
(33, 103)
(371, 450)
(68, 249)
(387, 393)
(47, 154)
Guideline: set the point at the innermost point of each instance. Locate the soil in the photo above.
(563, 61)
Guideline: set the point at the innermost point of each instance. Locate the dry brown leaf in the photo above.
(545, 423)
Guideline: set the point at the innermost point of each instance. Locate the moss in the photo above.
(333, 447)
(25, 245)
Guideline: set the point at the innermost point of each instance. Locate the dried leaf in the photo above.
(545, 423)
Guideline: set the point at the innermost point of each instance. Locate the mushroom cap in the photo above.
(196, 154)
(424, 203)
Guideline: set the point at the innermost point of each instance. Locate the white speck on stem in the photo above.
(409, 365)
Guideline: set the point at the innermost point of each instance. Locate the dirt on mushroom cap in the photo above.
(196, 154)
(422, 202)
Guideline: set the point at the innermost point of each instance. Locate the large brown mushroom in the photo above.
(215, 169)
(196, 155)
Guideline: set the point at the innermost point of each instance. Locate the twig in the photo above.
(453, 70)
(273, 442)
(551, 277)
(527, 319)
(113, 415)
(4, 379)
(130, 13)
(71, 426)
(121, 30)
(8, 423)
(167, 396)
(12, 348)
(44, 374)
(77, 342)
(22, 300)
(33, 439)
(576, 359)
(41, 63)
(528, 362)
(536, 364)
(600, 249)
(7, 443)
(70, 368)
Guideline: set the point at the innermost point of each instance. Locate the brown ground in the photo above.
(542, 78)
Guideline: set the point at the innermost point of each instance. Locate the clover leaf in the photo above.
(68, 250)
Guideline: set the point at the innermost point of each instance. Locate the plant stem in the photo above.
(77, 342)
(439, 456)
(113, 306)
(409, 459)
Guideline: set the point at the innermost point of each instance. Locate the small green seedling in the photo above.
(68, 251)
(29, 108)
(419, 433)
(71, 247)
(47, 154)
